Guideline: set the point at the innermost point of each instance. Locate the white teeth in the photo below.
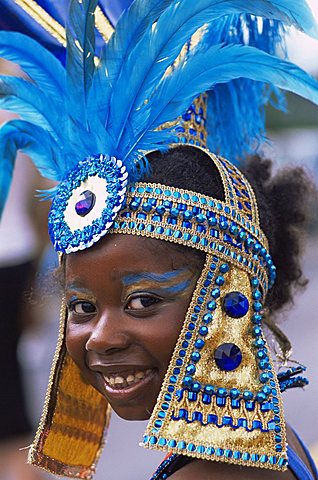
(124, 382)
(130, 379)
(127, 381)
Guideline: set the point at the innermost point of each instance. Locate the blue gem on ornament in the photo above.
(228, 356)
(85, 203)
(235, 304)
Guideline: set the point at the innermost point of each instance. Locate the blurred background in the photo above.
(293, 139)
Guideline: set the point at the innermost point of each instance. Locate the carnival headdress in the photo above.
(89, 127)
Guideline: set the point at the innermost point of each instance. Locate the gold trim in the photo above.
(54, 28)
(44, 19)
(103, 25)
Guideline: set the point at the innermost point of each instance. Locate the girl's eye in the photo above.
(139, 303)
(82, 308)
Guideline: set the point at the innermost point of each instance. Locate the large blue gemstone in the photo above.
(85, 203)
(235, 304)
(228, 356)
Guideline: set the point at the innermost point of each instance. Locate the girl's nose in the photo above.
(108, 333)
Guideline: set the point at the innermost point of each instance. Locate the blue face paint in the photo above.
(178, 288)
(84, 293)
(168, 283)
(154, 277)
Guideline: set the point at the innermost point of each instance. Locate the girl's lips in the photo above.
(124, 387)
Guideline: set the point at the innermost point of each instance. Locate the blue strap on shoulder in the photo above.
(297, 466)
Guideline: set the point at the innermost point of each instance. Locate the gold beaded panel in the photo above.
(253, 444)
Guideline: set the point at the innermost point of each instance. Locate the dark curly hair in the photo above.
(282, 201)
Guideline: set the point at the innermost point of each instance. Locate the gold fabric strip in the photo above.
(103, 25)
(44, 19)
(75, 419)
(54, 28)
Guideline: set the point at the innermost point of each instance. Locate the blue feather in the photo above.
(20, 135)
(163, 42)
(130, 27)
(26, 99)
(218, 64)
(80, 36)
(235, 119)
(300, 15)
(41, 65)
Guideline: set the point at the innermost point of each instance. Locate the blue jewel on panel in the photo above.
(212, 221)
(206, 399)
(200, 449)
(209, 451)
(160, 209)
(203, 330)
(207, 318)
(257, 306)
(215, 293)
(199, 343)
(235, 403)
(234, 393)
(257, 319)
(196, 387)
(190, 370)
(209, 389)
(228, 356)
(224, 268)
(191, 447)
(147, 207)
(219, 280)
(187, 381)
(210, 306)
(195, 357)
(174, 212)
(200, 218)
(235, 304)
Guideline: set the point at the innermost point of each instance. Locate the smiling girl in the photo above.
(172, 259)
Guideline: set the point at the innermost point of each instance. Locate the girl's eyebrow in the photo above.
(134, 278)
(76, 288)
(176, 288)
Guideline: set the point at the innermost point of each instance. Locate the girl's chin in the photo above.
(132, 413)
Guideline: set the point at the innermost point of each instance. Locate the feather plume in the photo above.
(129, 29)
(163, 42)
(20, 135)
(41, 66)
(26, 99)
(80, 67)
(218, 64)
(236, 110)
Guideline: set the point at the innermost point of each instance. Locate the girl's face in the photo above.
(127, 297)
